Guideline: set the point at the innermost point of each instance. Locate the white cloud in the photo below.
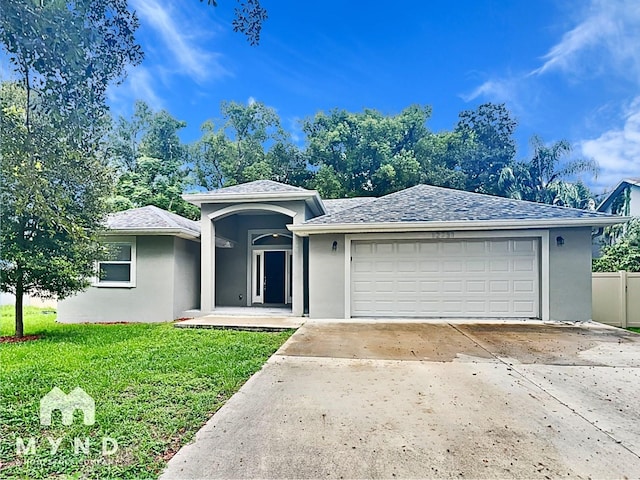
(251, 101)
(605, 38)
(182, 38)
(139, 85)
(499, 90)
(617, 150)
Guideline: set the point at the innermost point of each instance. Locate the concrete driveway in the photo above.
(426, 400)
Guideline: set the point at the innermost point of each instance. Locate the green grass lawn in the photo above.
(154, 386)
(634, 329)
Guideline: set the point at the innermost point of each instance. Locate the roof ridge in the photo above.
(169, 216)
(499, 197)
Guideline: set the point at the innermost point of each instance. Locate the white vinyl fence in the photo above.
(616, 299)
(27, 301)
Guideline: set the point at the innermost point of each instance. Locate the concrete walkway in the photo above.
(235, 322)
(382, 400)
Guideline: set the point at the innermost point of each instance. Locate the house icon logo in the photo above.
(77, 399)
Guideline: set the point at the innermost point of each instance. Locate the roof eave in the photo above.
(177, 232)
(198, 199)
(395, 227)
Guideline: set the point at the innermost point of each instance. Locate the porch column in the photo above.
(208, 265)
(297, 307)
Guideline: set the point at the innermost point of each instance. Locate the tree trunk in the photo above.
(19, 317)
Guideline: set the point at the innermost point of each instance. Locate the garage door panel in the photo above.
(475, 266)
(451, 266)
(499, 246)
(453, 247)
(383, 248)
(476, 286)
(429, 266)
(445, 278)
(407, 248)
(407, 267)
(452, 286)
(499, 265)
(383, 267)
(523, 286)
(523, 265)
(499, 306)
(478, 307)
(432, 286)
(524, 307)
(524, 246)
(499, 286)
(362, 267)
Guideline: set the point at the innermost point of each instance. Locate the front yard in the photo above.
(153, 385)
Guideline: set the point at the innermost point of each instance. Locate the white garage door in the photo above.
(445, 278)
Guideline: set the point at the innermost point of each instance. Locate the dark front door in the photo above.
(274, 268)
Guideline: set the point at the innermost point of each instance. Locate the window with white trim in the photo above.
(119, 267)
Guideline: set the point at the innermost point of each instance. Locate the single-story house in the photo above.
(421, 252)
(152, 276)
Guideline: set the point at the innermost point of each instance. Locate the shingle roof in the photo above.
(257, 186)
(425, 203)
(334, 205)
(151, 218)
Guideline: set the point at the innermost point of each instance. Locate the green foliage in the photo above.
(151, 387)
(368, 152)
(63, 56)
(51, 202)
(622, 255)
(485, 146)
(251, 145)
(545, 177)
(149, 159)
(69, 52)
(248, 19)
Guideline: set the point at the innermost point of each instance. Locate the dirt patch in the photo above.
(26, 338)
(383, 341)
(545, 344)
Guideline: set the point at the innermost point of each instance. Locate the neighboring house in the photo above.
(422, 252)
(624, 200)
(153, 274)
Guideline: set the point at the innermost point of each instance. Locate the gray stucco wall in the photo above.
(570, 274)
(326, 276)
(151, 300)
(186, 278)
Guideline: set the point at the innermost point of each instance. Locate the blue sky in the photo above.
(566, 69)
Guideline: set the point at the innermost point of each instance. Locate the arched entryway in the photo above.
(250, 259)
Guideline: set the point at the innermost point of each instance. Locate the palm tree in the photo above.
(544, 178)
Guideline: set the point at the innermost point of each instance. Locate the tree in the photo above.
(63, 56)
(622, 255)
(251, 145)
(149, 159)
(436, 153)
(545, 178)
(485, 147)
(208, 156)
(367, 153)
(51, 205)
